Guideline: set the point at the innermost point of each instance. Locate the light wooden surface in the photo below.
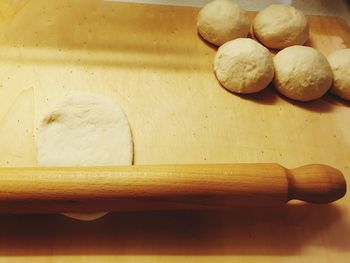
(150, 60)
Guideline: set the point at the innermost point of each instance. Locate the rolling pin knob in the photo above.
(316, 183)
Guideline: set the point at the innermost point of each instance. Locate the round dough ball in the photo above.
(302, 73)
(221, 21)
(340, 63)
(243, 66)
(85, 130)
(281, 26)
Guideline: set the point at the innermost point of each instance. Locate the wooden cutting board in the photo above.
(150, 60)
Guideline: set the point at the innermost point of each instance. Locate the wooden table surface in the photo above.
(150, 60)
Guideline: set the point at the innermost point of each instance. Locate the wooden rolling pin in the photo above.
(164, 187)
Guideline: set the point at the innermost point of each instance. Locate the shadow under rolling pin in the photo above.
(164, 187)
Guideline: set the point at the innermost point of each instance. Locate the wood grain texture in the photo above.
(151, 61)
(164, 187)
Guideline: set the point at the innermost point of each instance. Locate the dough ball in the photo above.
(221, 21)
(281, 26)
(243, 66)
(85, 130)
(302, 73)
(340, 63)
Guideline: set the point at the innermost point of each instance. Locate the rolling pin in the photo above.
(164, 187)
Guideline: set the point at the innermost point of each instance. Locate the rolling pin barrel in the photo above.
(164, 187)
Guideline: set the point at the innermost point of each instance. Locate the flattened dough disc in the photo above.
(85, 130)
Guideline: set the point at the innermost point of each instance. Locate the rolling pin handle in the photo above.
(316, 184)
